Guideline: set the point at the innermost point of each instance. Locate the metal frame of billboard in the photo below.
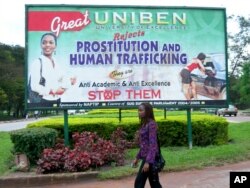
(107, 103)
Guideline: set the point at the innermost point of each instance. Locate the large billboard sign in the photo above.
(108, 56)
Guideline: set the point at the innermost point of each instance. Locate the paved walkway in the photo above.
(214, 177)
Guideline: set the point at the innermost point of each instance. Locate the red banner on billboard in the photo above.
(57, 21)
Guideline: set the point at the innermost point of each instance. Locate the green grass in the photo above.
(177, 158)
(6, 157)
(114, 113)
(105, 115)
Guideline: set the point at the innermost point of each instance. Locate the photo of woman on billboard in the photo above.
(188, 85)
(46, 83)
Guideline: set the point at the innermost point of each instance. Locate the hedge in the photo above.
(32, 141)
(206, 129)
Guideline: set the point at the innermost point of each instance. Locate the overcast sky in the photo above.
(12, 12)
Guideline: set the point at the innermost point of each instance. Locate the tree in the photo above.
(239, 49)
(12, 79)
(245, 86)
(234, 88)
(3, 98)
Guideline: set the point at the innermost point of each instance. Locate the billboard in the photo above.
(106, 56)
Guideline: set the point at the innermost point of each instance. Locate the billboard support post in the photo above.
(120, 114)
(189, 124)
(66, 128)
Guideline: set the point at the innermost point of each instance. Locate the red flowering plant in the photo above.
(77, 161)
(88, 141)
(52, 160)
(89, 150)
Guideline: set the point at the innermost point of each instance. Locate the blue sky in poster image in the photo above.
(12, 12)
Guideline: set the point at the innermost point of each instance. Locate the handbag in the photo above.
(33, 96)
(160, 162)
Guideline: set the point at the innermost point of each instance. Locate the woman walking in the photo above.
(148, 148)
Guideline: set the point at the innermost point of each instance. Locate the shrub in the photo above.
(89, 150)
(172, 132)
(77, 160)
(102, 151)
(32, 141)
(119, 138)
(52, 160)
(206, 129)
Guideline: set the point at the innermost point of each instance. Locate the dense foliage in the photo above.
(32, 141)
(88, 151)
(239, 55)
(12, 79)
(207, 129)
(239, 45)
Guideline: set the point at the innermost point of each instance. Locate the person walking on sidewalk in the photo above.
(148, 148)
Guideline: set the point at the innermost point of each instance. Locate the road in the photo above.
(237, 119)
(15, 125)
(214, 177)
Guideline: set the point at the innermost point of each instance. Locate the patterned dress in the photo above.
(148, 142)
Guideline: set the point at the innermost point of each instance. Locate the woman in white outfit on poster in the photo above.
(46, 78)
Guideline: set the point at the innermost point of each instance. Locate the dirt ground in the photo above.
(214, 177)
